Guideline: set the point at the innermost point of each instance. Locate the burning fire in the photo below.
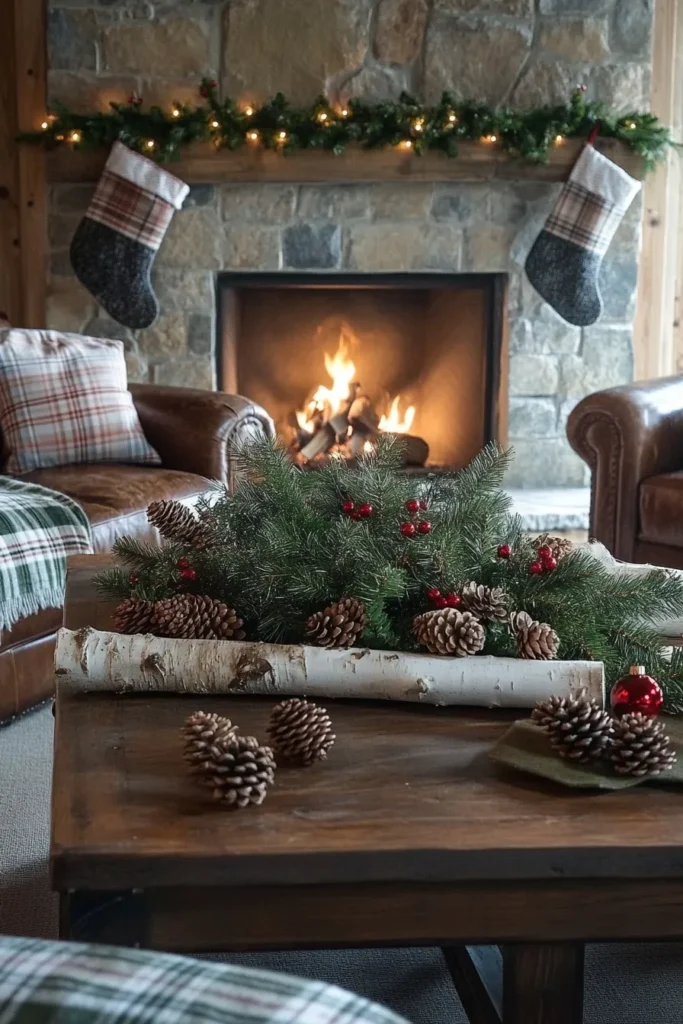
(328, 401)
(394, 423)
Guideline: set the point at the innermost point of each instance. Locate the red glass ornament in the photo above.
(433, 593)
(544, 552)
(504, 551)
(366, 510)
(636, 692)
(453, 600)
(408, 529)
(132, 578)
(550, 564)
(536, 568)
(348, 507)
(189, 575)
(424, 526)
(183, 563)
(424, 504)
(441, 602)
(412, 505)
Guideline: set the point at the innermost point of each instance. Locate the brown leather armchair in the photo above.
(632, 439)
(192, 431)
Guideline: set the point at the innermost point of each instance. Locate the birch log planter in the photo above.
(92, 660)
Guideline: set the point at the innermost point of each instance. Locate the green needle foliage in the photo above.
(285, 549)
(528, 134)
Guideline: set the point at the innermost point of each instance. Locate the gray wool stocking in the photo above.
(565, 259)
(115, 244)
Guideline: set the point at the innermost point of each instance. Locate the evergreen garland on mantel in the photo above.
(286, 545)
(276, 125)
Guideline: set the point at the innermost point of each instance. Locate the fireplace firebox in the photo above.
(337, 359)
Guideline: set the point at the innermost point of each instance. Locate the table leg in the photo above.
(543, 983)
(476, 976)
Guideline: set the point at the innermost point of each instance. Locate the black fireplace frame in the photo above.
(494, 286)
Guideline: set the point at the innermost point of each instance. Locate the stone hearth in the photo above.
(519, 51)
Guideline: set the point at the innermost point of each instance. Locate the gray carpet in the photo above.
(625, 984)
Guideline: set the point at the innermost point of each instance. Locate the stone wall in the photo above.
(519, 51)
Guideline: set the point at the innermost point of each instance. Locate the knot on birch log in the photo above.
(252, 669)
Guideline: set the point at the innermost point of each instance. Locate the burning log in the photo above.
(416, 449)
(363, 417)
(320, 443)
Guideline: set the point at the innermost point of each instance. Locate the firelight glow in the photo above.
(327, 401)
(395, 423)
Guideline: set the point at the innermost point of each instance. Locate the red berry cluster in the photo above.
(134, 100)
(187, 573)
(363, 511)
(545, 562)
(205, 89)
(436, 598)
(422, 526)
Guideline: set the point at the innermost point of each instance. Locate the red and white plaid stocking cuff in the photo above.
(592, 202)
(135, 197)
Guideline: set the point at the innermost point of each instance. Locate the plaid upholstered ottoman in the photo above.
(64, 983)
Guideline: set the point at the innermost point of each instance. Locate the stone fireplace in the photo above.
(517, 51)
(413, 354)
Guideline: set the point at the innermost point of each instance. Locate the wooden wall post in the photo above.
(23, 183)
(657, 333)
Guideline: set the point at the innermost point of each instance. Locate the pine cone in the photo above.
(559, 546)
(579, 729)
(135, 616)
(300, 731)
(177, 522)
(239, 770)
(641, 746)
(485, 602)
(339, 625)
(535, 640)
(197, 617)
(201, 731)
(449, 631)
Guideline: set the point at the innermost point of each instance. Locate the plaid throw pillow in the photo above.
(64, 399)
(65, 983)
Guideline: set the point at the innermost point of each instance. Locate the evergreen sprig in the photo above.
(285, 549)
(277, 125)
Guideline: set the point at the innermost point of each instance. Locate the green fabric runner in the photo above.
(526, 747)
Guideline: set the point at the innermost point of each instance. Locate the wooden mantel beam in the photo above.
(23, 184)
(200, 164)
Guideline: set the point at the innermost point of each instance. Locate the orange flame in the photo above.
(329, 400)
(395, 423)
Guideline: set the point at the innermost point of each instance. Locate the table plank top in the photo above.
(408, 793)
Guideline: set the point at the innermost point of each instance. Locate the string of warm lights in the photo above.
(406, 124)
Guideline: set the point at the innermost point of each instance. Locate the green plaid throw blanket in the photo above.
(64, 983)
(38, 529)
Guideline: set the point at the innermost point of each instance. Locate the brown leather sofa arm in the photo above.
(626, 435)
(194, 430)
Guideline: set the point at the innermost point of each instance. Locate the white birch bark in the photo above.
(92, 660)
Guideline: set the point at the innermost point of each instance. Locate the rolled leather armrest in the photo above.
(626, 435)
(194, 430)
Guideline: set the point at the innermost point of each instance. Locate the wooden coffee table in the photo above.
(407, 835)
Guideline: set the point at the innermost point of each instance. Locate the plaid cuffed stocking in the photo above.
(115, 244)
(565, 259)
